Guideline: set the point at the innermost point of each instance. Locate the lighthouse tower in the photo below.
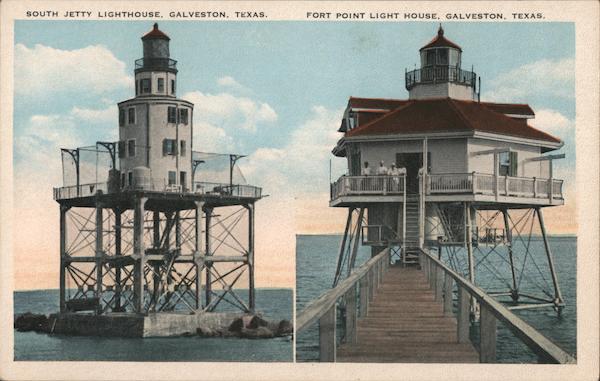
(155, 127)
(444, 171)
(141, 232)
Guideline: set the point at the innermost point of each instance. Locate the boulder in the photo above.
(32, 322)
(237, 325)
(285, 328)
(207, 332)
(258, 333)
(257, 322)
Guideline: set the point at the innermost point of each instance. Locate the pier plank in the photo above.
(406, 324)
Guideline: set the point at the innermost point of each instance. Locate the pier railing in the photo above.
(368, 185)
(366, 280)
(442, 279)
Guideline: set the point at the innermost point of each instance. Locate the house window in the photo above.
(182, 147)
(172, 177)
(122, 180)
(169, 147)
(131, 115)
(130, 178)
(131, 148)
(146, 86)
(160, 85)
(121, 117)
(172, 86)
(183, 115)
(122, 150)
(172, 115)
(507, 162)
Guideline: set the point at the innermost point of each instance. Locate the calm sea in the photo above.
(316, 257)
(275, 304)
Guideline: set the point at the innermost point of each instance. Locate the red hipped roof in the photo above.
(155, 33)
(440, 41)
(450, 115)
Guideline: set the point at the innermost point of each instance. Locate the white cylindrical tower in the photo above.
(155, 127)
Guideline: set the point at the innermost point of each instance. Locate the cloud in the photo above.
(218, 117)
(232, 84)
(47, 70)
(296, 165)
(555, 78)
(553, 122)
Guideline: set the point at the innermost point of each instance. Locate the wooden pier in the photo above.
(406, 323)
(395, 314)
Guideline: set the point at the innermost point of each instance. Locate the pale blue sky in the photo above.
(295, 66)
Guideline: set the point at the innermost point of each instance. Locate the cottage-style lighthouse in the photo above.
(442, 170)
(143, 230)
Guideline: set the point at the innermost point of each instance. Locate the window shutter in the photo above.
(121, 149)
(164, 147)
(513, 163)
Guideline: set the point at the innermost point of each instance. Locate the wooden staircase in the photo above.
(411, 244)
(405, 324)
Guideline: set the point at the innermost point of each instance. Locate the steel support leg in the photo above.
(514, 292)
(63, 256)
(98, 254)
(208, 287)
(251, 295)
(138, 252)
(118, 253)
(558, 300)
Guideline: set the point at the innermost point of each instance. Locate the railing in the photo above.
(218, 189)
(378, 234)
(368, 185)
(433, 74)
(367, 278)
(155, 63)
(205, 188)
(441, 279)
(83, 190)
(481, 183)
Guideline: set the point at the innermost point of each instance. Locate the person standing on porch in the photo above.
(366, 171)
(382, 170)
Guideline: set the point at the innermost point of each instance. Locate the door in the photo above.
(412, 161)
(182, 181)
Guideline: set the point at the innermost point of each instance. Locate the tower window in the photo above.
(160, 85)
(173, 86)
(123, 180)
(130, 178)
(183, 115)
(121, 117)
(182, 147)
(169, 147)
(172, 177)
(137, 87)
(146, 86)
(430, 60)
(131, 148)
(442, 57)
(131, 115)
(172, 115)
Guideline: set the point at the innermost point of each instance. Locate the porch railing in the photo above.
(439, 73)
(368, 185)
(482, 183)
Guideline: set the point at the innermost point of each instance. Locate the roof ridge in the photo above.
(460, 113)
